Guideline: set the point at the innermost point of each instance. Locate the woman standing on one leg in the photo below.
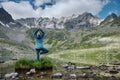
(39, 35)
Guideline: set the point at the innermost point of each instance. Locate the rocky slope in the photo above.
(74, 21)
(84, 20)
(5, 17)
(73, 32)
(109, 20)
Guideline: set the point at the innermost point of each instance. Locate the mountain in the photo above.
(13, 37)
(28, 22)
(5, 17)
(6, 20)
(9, 28)
(74, 37)
(74, 21)
(60, 33)
(116, 22)
(44, 22)
(3, 30)
(84, 20)
(108, 20)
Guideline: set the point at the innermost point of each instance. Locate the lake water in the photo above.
(8, 65)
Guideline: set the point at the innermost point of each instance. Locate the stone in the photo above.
(82, 67)
(70, 68)
(43, 73)
(11, 75)
(73, 76)
(1, 76)
(2, 61)
(57, 75)
(103, 67)
(33, 71)
(65, 66)
(14, 59)
(28, 73)
(113, 72)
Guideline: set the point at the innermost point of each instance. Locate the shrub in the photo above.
(44, 63)
(24, 63)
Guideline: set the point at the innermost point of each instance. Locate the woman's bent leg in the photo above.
(44, 50)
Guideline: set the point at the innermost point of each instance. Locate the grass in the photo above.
(44, 63)
(118, 56)
(91, 55)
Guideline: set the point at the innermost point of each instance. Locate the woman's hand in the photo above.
(38, 27)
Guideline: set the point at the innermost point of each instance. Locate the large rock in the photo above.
(57, 75)
(31, 72)
(2, 61)
(12, 75)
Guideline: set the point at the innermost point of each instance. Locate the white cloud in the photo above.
(40, 2)
(69, 7)
(0, 5)
(61, 8)
(21, 10)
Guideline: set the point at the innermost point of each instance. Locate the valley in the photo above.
(81, 39)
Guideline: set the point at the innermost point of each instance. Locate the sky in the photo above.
(59, 8)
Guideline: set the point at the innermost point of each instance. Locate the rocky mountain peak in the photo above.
(83, 20)
(111, 16)
(87, 14)
(5, 17)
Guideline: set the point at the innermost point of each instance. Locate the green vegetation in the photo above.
(5, 54)
(44, 63)
(118, 56)
(94, 42)
(91, 56)
(59, 40)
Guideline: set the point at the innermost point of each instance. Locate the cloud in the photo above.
(0, 5)
(61, 8)
(21, 10)
(40, 2)
(69, 7)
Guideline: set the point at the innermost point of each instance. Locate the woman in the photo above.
(39, 36)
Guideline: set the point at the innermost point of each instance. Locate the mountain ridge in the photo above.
(5, 17)
(85, 20)
(82, 31)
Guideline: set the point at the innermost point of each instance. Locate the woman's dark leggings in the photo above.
(40, 51)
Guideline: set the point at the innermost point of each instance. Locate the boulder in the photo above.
(73, 76)
(2, 61)
(32, 71)
(71, 68)
(65, 66)
(28, 73)
(11, 75)
(1, 76)
(103, 67)
(57, 75)
(42, 74)
(113, 71)
(82, 67)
